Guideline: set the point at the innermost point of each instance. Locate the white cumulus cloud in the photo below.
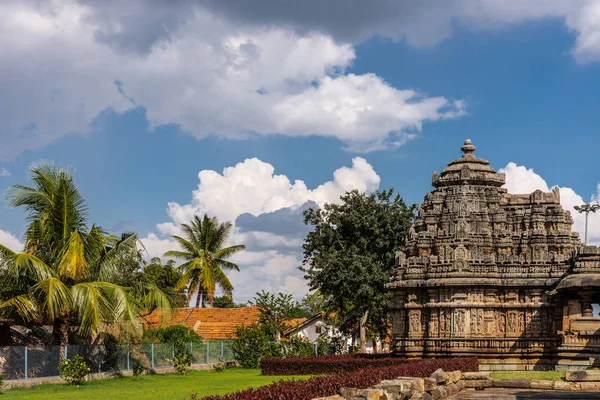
(4, 172)
(520, 179)
(11, 241)
(65, 61)
(253, 187)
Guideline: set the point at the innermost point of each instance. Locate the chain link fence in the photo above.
(27, 362)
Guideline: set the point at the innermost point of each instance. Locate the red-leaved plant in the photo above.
(322, 386)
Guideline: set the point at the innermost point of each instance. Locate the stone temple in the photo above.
(496, 275)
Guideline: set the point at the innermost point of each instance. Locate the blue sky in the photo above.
(138, 109)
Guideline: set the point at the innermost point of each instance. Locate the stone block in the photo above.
(590, 386)
(440, 376)
(452, 389)
(436, 393)
(455, 376)
(364, 394)
(567, 386)
(511, 383)
(476, 375)
(334, 397)
(460, 385)
(427, 396)
(429, 384)
(591, 375)
(541, 385)
(479, 383)
(396, 386)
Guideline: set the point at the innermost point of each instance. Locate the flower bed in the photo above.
(330, 364)
(322, 386)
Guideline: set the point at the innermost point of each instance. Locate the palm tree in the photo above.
(205, 257)
(61, 277)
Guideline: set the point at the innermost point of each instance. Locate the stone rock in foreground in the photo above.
(511, 383)
(591, 375)
(541, 385)
(469, 376)
(440, 376)
(567, 386)
(480, 383)
(429, 384)
(364, 394)
(590, 386)
(455, 376)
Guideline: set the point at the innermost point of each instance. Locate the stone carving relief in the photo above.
(501, 323)
(459, 322)
(415, 322)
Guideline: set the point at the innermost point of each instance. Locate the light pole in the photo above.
(587, 208)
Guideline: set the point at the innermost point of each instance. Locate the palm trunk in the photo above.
(363, 332)
(60, 332)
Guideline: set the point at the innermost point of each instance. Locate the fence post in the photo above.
(192, 352)
(26, 367)
(152, 355)
(221, 358)
(128, 355)
(207, 348)
(99, 359)
(315, 346)
(173, 352)
(66, 351)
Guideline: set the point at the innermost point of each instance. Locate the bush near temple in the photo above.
(73, 371)
(322, 386)
(329, 364)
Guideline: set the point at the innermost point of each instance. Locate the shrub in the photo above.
(171, 334)
(322, 386)
(219, 368)
(1, 381)
(326, 364)
(299, 347)
(250, 344)
(73, 371)
(183, 356)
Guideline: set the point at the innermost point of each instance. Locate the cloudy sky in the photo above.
(255, 110)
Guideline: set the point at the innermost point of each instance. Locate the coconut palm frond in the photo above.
(56, 299)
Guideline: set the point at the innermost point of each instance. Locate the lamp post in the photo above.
(587, 208)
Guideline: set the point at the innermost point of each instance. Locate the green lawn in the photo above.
(531, 375)
(149, 387)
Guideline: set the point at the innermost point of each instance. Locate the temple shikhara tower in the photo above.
(497, 275)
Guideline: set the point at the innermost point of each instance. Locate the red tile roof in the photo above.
(210, 323)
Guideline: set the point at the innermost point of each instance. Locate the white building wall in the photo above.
(310, 332)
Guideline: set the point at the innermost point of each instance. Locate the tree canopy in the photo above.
(205, 257)
(349, 257)
(63, 275)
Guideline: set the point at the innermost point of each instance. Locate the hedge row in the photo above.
(322, 386)
(330, 364)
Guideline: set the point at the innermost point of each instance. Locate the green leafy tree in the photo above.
(224, 302)
(134, 272)
(274, 312)
(62, 277)
(349, 257)
(251, 343)
(205, 257)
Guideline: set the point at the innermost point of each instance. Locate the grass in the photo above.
(150, 387)
(530, 375)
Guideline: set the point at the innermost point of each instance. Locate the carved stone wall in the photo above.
(475, 273)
